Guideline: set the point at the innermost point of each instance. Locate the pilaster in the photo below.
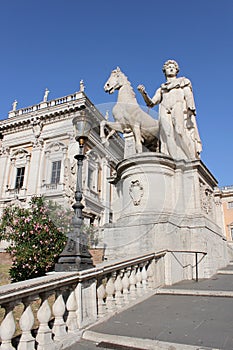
(4, 165)
(35, 169)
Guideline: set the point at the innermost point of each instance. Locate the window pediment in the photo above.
(55, 147)
(20, 154)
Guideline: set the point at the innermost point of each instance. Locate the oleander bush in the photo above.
(36, 236)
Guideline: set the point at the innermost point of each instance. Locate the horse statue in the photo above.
(128, 115)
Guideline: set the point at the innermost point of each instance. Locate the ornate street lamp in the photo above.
(75, 256)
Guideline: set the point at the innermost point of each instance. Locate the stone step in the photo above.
(193, 292)
(228, 270)
(127, 343)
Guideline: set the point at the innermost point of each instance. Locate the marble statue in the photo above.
(128, 115)
(46, 94)
(14, 105)
(179, 135)
(82, 86)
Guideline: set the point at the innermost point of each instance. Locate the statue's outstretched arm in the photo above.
(149, 102)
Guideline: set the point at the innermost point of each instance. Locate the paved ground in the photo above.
(203, 321)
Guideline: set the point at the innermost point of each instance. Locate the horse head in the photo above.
(115, 81)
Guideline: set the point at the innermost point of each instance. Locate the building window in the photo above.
(91, 179)
(231, 231)
(19, 177)
(56, 172)
(230, 205)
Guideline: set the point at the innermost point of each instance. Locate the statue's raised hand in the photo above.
(141, 89)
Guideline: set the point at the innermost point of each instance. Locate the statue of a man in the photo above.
(46, 94)
(14, 105)
(178, 129)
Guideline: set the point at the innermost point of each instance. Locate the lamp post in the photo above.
(75, 256)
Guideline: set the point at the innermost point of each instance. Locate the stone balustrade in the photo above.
(49, 312)
(45, 104)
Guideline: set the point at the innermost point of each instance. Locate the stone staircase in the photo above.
(198, 316)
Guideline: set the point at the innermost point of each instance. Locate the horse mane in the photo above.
(125, 79)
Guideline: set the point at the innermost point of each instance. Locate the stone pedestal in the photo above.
(166, 205)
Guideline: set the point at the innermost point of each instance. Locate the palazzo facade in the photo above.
(37, 149)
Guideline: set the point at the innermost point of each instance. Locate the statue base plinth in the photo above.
(166, 204)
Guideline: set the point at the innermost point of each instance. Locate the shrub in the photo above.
(37, 236)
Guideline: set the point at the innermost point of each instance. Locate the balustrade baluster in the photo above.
(110, 290)
(132, 282)
(44, 335)
(119, 288)
(144, 277)
(59, 327)
(139, 281)
(126, 284)
(7, 328)
(101, 293)
(150, 275)
(72, 307)
(26, 322)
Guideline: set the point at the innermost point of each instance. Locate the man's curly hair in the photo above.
(171, 62)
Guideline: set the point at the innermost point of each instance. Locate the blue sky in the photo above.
(55, 43)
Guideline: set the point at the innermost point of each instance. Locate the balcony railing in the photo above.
(12, 192)
(52, 187)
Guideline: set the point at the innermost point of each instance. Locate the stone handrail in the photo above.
(54, 308)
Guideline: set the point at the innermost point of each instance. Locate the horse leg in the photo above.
(138, 138)
(114, 126)
(112, 132)
(103, 138)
